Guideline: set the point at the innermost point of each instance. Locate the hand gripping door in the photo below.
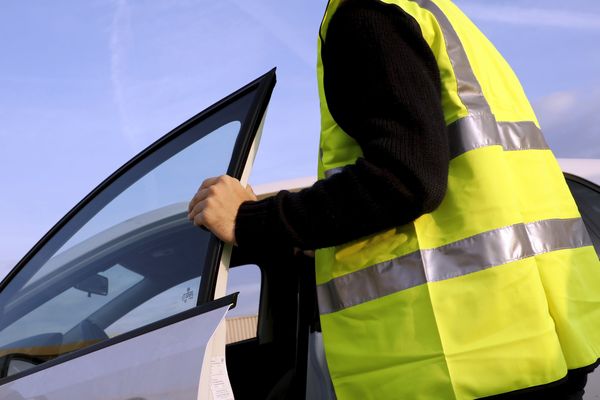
(124, 298)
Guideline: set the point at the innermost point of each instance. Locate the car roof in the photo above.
(586, 168)
(292, 185)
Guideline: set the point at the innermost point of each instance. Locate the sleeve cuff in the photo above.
(256, 228)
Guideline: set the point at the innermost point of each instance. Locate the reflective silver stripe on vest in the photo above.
(469, 90)
(477, 131)
(473, 254)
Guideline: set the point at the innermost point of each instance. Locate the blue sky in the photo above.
(85, 85)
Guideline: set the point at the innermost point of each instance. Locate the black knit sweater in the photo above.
(382, 87)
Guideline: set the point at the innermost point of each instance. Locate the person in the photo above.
(452, 262)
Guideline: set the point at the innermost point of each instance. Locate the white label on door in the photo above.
(219, 380)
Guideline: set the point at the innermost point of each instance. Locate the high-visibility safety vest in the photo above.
(496, 290)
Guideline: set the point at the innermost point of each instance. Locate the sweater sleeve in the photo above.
(383, 88)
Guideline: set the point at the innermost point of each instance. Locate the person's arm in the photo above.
(383, 88)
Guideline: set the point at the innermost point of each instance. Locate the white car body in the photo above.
(586, 168)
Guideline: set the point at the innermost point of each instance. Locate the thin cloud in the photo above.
(533, 16)
(571, 122)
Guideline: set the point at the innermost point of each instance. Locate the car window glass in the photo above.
(129, 244)
(51, 317)
(588, 201)
(173, 300)
(15, 366)
(242, 321)
(167, 188)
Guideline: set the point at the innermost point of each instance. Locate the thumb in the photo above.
(251, 192)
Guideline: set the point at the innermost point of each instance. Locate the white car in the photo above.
(124, 299)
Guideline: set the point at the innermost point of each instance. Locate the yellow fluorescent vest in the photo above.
(496, 290)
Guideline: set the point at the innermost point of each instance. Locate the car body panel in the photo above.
(143, 363)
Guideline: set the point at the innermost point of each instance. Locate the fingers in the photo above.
(211, 181)
(210, 189)
(196, 214)
(203, 192)
(216, 203)
(201, 215)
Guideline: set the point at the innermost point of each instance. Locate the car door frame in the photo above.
(217, 256)
(241, 151)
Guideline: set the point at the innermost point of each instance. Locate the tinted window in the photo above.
(587, 197)
(51, 316)
(129, 244)
(241, 321)
(174, 299)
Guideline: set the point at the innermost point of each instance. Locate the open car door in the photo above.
(124, 298)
